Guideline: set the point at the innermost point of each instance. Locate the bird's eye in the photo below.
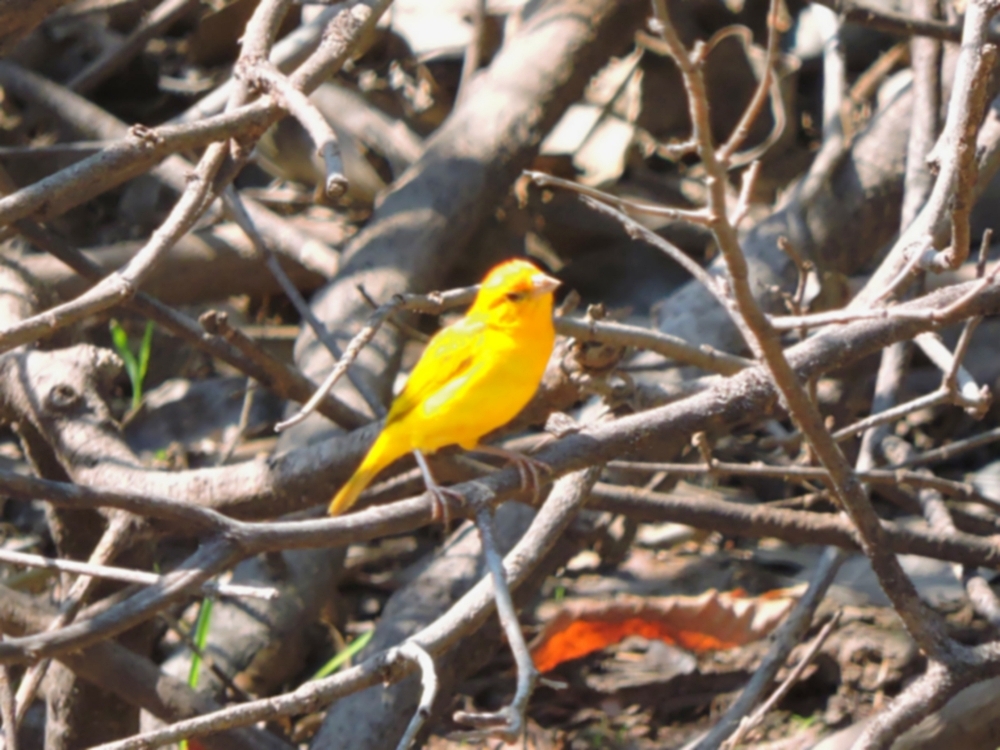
(516, 296)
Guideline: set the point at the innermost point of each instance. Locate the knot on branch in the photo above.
(144, 135)
(62, 398)
(345, 27)
(215, 322)
(250, 70)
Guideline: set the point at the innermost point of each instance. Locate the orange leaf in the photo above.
(708, 622)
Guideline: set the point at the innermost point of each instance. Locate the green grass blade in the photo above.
(347, 653)
(200, 638)
(119, 338)
(145, 349)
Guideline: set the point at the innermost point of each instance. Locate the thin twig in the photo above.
(956, 377)
(116, 538)
(958, 139)
(767, 87)
(185, 635)
(958, 490)
(123, 284)
(946, 452)
(8, 711)
(429, 687)
(930, 500)
(473, 50)
(241, 426)
(892, 22)
(217, 323)
(956, 380)
(360, 340)
(926, 56)
(463, 618)
(940, 396)
(288, 53)
(507, 723)
(714, 285)
(156, 21)
(785, 640)
(954, 155)
(235, 205)
(867, 85)
(848, 315)
(269, 78)
(127, 575)
(626, 206)
(793, 526)
(672, 347)
(750, 722)
(748, 182)
(925, 628)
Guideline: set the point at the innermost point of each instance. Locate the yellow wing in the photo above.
(445, 366)
(448, 359)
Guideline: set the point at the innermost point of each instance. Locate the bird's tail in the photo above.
(345, 498)
(382, 453)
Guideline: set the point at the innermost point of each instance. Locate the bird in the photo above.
(473, 377)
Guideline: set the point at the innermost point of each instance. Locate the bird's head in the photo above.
(515, 292)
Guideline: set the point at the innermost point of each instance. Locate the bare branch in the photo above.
(750, 722)
(622, 204)
(788, 636)
(298, 105)
(892, 22)
(156, 21)
(463, 618)
(428, 680)
(7, 710)
(926, 630)
(235, 205)
(217, 324)
(955, 154)
(210, 588)
(945, 452)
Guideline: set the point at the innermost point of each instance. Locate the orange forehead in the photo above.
(511, 275)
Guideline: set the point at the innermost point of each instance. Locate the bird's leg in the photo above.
(530, 469)
(439, 494)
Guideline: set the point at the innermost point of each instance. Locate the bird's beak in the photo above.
(542, 284)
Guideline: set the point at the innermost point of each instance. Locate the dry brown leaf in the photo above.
(711, 621)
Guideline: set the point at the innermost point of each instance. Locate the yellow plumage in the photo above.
(474, 376)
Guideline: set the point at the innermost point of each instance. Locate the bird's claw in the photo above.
(531, 470)
(439, 497)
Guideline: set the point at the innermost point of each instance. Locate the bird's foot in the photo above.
(440, 497)
(531, 470)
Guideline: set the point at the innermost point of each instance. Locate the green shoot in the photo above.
(136, 365)
(200, 639)
(341, 658)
